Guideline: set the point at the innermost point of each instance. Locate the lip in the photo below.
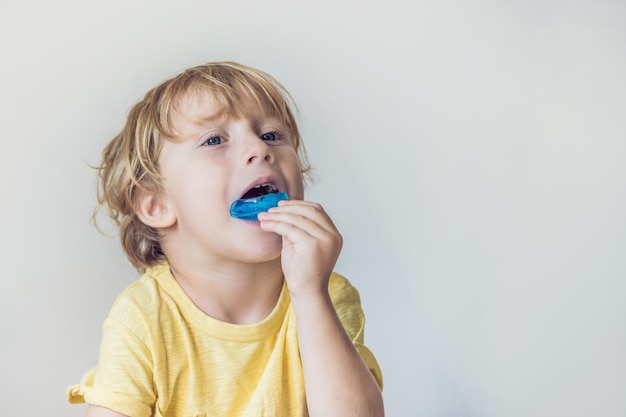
(263, 180)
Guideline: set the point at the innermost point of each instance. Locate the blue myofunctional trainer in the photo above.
(249, 208)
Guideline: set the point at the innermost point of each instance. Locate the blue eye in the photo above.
(270, 136)
(212, 141)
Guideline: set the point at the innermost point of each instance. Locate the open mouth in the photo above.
(257, 199)
(259, 190)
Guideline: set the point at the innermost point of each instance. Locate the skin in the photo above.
(233, 269)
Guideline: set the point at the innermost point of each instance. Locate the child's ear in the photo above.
(153, 210)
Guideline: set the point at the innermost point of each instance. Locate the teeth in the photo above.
(260, 189)
(268, 185)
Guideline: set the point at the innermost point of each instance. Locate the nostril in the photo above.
(267, 157)
(258, 151)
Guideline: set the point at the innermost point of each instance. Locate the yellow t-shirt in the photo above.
(162, 356)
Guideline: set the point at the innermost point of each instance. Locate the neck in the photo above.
(238, 293)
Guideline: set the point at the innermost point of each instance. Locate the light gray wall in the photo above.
(472, 153)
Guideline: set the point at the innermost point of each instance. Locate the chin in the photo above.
(266, 248)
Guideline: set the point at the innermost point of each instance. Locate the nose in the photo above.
(256, 150)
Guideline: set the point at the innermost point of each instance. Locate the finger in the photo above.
(307, 210)
(289, 231)
(284, 222)
(303, 231)
(314, 225)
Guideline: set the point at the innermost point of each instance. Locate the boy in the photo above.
(231, 317)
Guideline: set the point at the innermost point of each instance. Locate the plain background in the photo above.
(471, 152)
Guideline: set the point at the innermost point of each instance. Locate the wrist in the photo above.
(309, 297)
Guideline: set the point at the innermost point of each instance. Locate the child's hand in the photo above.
(311, 244)
(337, 381)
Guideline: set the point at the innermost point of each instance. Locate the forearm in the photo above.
(337, 381)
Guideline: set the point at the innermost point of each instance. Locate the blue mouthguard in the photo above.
(249, 208)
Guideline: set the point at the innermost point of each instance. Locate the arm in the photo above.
(336, 379)
(123, 379)
(337, 382)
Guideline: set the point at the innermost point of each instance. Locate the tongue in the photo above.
(256, 192)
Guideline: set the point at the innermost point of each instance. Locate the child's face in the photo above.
(219, 160)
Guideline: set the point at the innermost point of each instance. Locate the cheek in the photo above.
(290, 166)
(195, 192)
(298, 186)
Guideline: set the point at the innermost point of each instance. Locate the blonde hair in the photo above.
(130, 161)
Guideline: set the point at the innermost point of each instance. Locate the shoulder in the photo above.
(342, 291)
(347, 303)
(141, 293)
(140, 303)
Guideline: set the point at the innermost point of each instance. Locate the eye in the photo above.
(212, 141)
(271, 136)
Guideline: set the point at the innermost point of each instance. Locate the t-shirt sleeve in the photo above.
(347, 302)
(122, 381)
